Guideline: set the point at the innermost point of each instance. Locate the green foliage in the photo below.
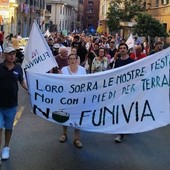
(113, 17)
(122, 10)
(148, 26)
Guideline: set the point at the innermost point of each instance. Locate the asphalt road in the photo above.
(35, 146)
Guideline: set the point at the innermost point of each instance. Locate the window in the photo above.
(81, 1)
(165, 26)
(63, 25)
(35, 3)
(48, 7)
(165, 2)
(90, 10)
(43, 4)
(90, 17)
(157, 3)
(60, 25)
(31, 2)
(90, 3)
(90, 25)
(61, 9)
(103, 10)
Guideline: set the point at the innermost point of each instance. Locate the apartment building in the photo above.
(61, 15)
(27, 12)
(18, 15)
(8, 18)
(160, 10)
(91, 14)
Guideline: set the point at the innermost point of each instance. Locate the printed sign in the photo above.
(37, 55)
(130, 99)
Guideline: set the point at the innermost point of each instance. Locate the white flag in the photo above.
(130, 41)
(37, 55)
(47, 33)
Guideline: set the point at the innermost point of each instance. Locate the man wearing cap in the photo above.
(10, 74)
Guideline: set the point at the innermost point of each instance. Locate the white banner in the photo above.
(37, 55)
(130, 41)
(130, 99)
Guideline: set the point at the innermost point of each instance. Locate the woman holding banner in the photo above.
(72, 69)
(100, 62)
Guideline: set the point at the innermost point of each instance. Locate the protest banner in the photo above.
(131, 99)
(37, 55)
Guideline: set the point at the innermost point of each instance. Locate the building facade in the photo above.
(61, 15)
(160, 10)
(80, 15)
(17, 16)
(8, 17)
(91, 14)
(103, 10)
(27, 12)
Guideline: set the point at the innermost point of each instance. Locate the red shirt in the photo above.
(1, 36)
(137, 57)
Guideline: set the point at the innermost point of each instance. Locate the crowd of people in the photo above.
(12, 41)
(95, 54)
(75, 55)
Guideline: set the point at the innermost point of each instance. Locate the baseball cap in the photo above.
(9, 49)
(56, 45)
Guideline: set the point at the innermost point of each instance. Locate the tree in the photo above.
(148, 26)
(122, 10)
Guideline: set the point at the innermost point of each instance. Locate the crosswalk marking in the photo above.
(18, 114)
